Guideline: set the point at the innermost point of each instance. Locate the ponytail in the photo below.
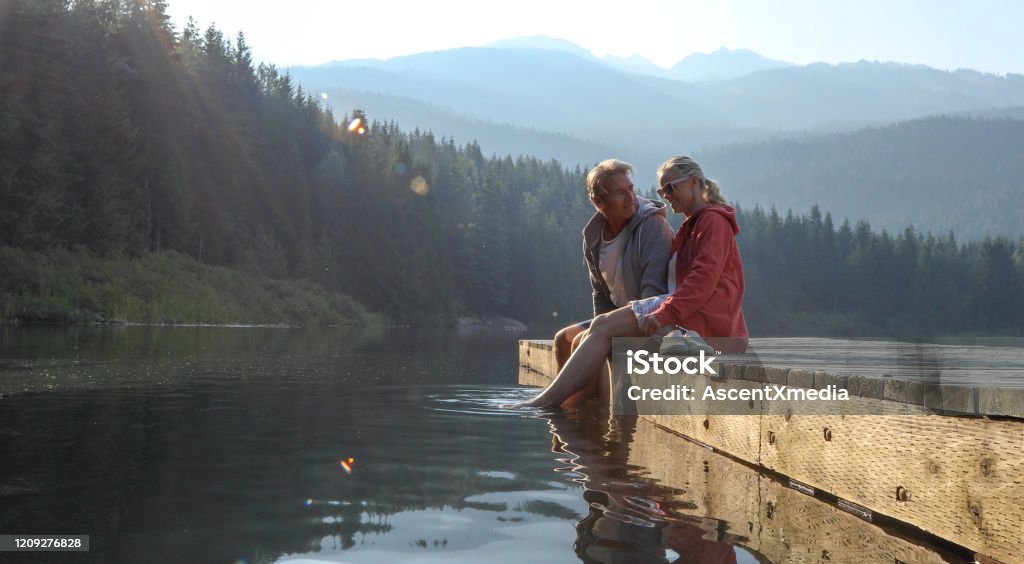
(713, 192)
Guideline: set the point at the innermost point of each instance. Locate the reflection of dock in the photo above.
(957, 473)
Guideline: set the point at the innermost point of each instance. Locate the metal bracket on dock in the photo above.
(803, 488)
(858, 510)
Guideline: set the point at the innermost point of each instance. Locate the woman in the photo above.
(705, 270)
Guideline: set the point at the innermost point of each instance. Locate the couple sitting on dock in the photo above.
(647, 283)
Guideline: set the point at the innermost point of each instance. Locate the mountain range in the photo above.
(567, 91)
(719, 65)
(553, 99)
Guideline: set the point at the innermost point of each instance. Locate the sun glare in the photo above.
(420, 186)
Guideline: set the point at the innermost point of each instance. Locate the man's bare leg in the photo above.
(591, 388)
(565, 340)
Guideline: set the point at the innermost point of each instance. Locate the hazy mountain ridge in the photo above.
(696, 67)
(546, 91)
(560, 92)
(580, 110)
(1013, 112)
(564, 92)
(940, 174)
(542, 42)
(723, 64)
(636, 64)
(494, 138)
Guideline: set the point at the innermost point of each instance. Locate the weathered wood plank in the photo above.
(956, 365)
(960, 478)
(537, 358)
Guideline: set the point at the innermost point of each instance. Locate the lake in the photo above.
(244, 445)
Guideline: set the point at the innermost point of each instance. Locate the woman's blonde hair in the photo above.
(687, 167)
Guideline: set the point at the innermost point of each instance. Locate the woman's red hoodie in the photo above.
(709, 279)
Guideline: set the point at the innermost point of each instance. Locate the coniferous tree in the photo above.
(996, 287)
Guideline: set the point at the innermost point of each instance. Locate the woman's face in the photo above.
(681, 192)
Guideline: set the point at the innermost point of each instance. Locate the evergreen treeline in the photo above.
(120, 136)
(122, 140)
(805, 277)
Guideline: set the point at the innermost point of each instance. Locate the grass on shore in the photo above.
(76, 286)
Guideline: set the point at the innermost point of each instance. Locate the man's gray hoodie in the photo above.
(645, 254)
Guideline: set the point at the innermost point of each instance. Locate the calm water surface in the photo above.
(226, 445)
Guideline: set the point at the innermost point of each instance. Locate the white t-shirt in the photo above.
(610, 261)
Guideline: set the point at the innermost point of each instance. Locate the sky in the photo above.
(982, 34)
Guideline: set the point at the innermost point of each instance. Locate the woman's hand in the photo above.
(651, 326)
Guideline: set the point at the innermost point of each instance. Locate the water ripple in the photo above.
(482, 401)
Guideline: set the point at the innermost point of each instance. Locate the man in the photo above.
(626, 244)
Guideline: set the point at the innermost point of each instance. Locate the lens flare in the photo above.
(347, 463)
(420, 186)
(323, 95)
(309, 502)
(357, 124)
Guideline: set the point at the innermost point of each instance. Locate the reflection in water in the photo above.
(226, 445)
(629, 519)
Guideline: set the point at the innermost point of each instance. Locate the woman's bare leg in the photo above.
(589, 357)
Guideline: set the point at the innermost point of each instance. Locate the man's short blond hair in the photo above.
(601, 172)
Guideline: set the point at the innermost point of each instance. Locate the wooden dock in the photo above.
(934, 439)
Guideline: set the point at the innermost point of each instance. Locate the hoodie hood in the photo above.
(644, 209)
(723, 210)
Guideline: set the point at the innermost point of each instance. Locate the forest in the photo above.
(144, 165)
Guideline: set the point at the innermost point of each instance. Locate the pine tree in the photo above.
(997, 289)
(485, 247)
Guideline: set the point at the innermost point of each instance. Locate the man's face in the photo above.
(618, 200)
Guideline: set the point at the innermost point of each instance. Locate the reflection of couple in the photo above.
(628, 520)
(625, 246)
